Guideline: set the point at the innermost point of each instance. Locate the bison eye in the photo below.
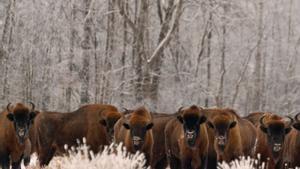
(10, 116)
(103, 122)
(126, 126)
(210, 125)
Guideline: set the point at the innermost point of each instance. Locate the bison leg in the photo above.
(186, 163)
(174, 162)
(16, 165)
(212, 161)
(161, 164)
(45, 156)
(5, 162)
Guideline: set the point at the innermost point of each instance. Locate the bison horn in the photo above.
(32, 106)
(180, 109)
(8, 107)
(297, 117)
(291, 120)
(261, 120)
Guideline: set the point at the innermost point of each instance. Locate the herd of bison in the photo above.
(193, 137)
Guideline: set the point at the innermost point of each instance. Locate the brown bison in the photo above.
(254, 117)
(272, 131)
(230, 135)
(160, 120)
(54, 130)
(292, 145)
(135, 131)
(15, 124)
(159, 160)
(187, 140)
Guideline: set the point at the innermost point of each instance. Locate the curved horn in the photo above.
(180, 109)
(32, 106)
(297, 117)
(291, 120)
(125, 110)
(8, 107)
(261, 120)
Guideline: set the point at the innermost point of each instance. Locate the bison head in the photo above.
(297, 123)
(22, 118)
(191, 119)
(275, 128)
(109, 123)
(138, 132)
(222, 124)
(139, 124)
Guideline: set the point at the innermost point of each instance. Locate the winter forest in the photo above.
(61, 54)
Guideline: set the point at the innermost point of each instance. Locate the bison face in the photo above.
(275, 132)
(191, 127)
(138, 133)
(296, 125)
(275, 136)
(22, 124)
(221, 131)
(109, 124)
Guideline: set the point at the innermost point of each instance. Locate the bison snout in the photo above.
(190, 134)
(277, 147)
(136, 140)
(21, 132)
(221, 140)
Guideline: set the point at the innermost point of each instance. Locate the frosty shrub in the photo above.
(113, 157)
(244, 163)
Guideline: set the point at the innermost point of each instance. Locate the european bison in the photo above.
(292, 145)
(135, 131)
(15, 124)
(272, 131)
(230, 135)
(160, 120)
(159, 160)
(187, 140)
(54, 130)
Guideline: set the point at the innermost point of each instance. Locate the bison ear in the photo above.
(149, 126)
(287, 130)
(103, 122)
(296, 126)
(126, 126)
(32, 115)
(210, 125)
(179, 118)
(202, 119)
(10, 116)
(264, 129)
(233, 124)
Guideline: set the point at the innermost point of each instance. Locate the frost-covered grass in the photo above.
(116, 157)
(113, 157)
(243, 163)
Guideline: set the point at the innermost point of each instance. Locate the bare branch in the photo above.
(167, 39)
(125, 16)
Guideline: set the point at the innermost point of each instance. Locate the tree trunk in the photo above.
(69, 89)
(258, 60)
(209, 37)
(6, 45)
(86, 47)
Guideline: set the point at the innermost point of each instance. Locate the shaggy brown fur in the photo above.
(254, 117)
(271, 139)
(159, 160)
(54, 130)
(187, 140)
(135, 131)
(230, 135)
(14, 138)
